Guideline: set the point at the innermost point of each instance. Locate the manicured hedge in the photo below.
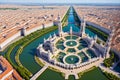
(38, 61)
(64, 20)
(24, 42)
(26, 74)
(110, 76)
(109, 61)
(29, 39)
(76, 18)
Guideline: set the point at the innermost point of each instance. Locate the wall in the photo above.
(9, 40)
(95, 25)
(98, 27)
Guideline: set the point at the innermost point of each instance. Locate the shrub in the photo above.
(109, 61)
(110, 76)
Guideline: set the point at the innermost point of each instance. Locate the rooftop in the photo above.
(104, 16)
(7, 72)
(14, 17)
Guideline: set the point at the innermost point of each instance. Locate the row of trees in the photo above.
(100, 33)
(26, 74)
(22, 71)
(64, 20)
(109, 61)
(110, 76)
(77, 20)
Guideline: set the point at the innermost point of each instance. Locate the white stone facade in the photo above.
(99, 49)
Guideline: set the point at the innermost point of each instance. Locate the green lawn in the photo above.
(71, 77)
(50, 75)
(94, 74)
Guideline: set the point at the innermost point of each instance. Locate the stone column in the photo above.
(82, 30)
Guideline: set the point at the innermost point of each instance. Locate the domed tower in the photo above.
(108, 43)
(82, 30)
(59, 26)
(23, 31)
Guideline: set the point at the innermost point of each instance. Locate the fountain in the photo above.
(71, 43)
(71, 59)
